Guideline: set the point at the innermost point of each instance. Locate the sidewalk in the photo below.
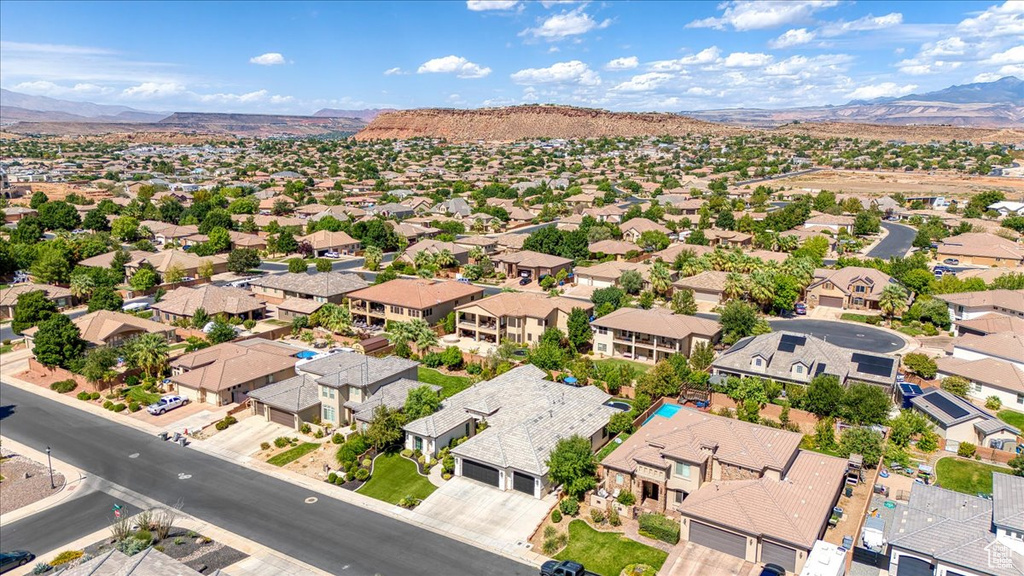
(321, 488)
(73, 479)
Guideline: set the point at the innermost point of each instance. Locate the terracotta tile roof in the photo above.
(213, 299)
(1012, 300)
(995, 373)
(981, 244)
(323, 284)
(234, 365)
(658, 322)
(9, 296)
(300, 305)
(531, 259)
(418, 294)
(707, 281)
(1007, 346)
(325, 239)
(520, 304)
(844, 279)
(642, 225)
(613, 269)
(617, 247)
(994, 323)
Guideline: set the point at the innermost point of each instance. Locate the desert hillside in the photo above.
(523, 122)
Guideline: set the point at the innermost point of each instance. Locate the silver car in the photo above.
(168, 402)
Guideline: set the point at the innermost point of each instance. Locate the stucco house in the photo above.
(530, 264)
(650, 335)
(59, 295)
(518, 316)
(225, 373)
(958, 420)
(346, 381)
(982, 249)
(403, 299)
(850, 288)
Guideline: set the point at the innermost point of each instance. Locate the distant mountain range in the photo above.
(18, 107)
(366, 115)
(985, 104)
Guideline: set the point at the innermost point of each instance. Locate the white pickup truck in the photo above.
(168, 402)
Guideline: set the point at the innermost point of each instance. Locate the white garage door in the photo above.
(191, 393)
(706, 297)
(717, 539)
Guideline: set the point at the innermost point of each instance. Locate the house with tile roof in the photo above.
(107, 328)
(434, 247)
(982, 249)
(635, 227)
(59, 295)
(405, 299)
(939, 531)
(707, 286)
(849, 288)
(345, 381)
(737, 487)
(184, 301)
(530, 264)
(988, 377)
(607, 274)
(796, 358)
(620, 249)
(321, 287)
(970, 305)
(518, 316)
(958, 420)
(526, 416)
(224, 373)
(324, 241)
(650, 335)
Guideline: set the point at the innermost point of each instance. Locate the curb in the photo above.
(73, 478)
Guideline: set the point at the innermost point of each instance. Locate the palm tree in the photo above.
(81, 285)
(735, 286)
(476, 253)
(762, 287)
(332, 317)
(445, 259)
(893, 300)
(422, 334)
(149, 352)
(372, 257)
(661, 278)
(399, 332)
(788, 243)
(423, 259)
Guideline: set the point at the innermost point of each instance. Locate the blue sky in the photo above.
(298, 57)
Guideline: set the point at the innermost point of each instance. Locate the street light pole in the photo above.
(49, 464)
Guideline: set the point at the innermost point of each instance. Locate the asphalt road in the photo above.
(332, 535)
(853, 336)
(54, 527)
(897, 243)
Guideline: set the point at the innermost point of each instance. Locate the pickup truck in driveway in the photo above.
(564, 568)
(167, 402)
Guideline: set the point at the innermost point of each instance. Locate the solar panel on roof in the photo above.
(946, 405)
(741, 344)
(910, 389)
(874, 365)
(819, 369)
(788, 342)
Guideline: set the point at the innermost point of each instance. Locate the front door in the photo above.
(651, 491)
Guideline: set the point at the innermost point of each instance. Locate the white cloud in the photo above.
(47, 88)
(952, 46)
(62, 49)
(1014, 55)
(885, 89)
(278, 99)
(987, 77)
(749, 15)
(747, 60)
(550, 3)
(560, 26)
(868, 22)
(706, 56)
(452, 64)
(698, 91)
(248, 97)
(268, 59)
(153, 91)
(627, 63)
(1006, 19)
(572, 72)
(643, 82)
(795, 37)
(484, 5)
(396, 71)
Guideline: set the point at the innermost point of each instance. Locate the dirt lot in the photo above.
(881, 183)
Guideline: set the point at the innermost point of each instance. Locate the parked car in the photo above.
(800, 308)
(773, 570)
(14, 559)
(332, 254)
(524, 280)
(951, 261)
(166, 403)
(564, 568)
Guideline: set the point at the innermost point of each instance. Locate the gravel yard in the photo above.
(191, 549)
(16, 490)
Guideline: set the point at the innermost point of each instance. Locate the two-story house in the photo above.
(635, 227)
(517, 316)
(732, 484)
(850, 288)
(403, 300)
(301, 294)
(650, 335)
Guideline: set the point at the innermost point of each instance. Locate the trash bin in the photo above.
(163, 435)
(177, 436)
(182, 441)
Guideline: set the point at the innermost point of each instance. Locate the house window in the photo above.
(977, 387)
(679, 496)
(418, 443)
(602, 347)
(602, 330)
(529, 337)
(328, 413)
(682, 470)
(330, 393)
(860, 289)
(799, 368)
(757, 362)
(618, 479)
(395, 309)
(1020, 398)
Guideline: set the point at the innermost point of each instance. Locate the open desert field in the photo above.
(909, 184)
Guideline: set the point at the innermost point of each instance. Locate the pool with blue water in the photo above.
(305, 355)
(665, 411)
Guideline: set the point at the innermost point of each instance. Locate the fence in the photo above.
(985, 453)
(639, 420)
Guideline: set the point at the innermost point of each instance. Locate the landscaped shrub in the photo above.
(639, 570)
(66, 556)
(966, 450)
(351, 450)
(221, 425)
(626, 498)
(119, 407)
(993, 403)
(452, 358)
(64, 386)
(144, 535)
(42, 568)
(332, 477)
(281, 441)
(132, 546)
(366, 463)
(94, 396)
(362, 474)
(338, 438)
(406, 453)
(569, 506)
(305, 428)
(597, 515)
(659, 527)
(554, 542)
(264, 445)
(179, 541)
(432, 360)
(556, 516)
(474, 369)
(83, 396)
(929, 442)
(613, 517)
(134, 407)
(131, 380)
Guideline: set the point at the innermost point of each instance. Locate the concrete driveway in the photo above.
(194, 416)
(471, 510)
(691, 559)
(244, 439)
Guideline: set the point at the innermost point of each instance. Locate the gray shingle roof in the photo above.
(348, 369)
(1008, 495)
(292, 395)
(323, 284)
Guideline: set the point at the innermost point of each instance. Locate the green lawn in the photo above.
(639, 367)
(7, 348)
(966, 476)
(611, 446)
(293, 454)
(450, 385)
(138, 394)
(854, 317)
(1012, 417)
(607, 553)
(395, 478)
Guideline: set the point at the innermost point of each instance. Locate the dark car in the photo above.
(801, 308)
(524, 280)
(14, 558)
(773, 570)
(564, 568)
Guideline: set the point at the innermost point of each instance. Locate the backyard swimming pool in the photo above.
(665, 411)
(305, 354)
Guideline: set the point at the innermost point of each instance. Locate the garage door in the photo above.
(831, 301)
(191, 393)
(913, 567)
(713, 297)
(281, 417)
(522, 483)
(714, 538)
(480, 472)
(772, 553)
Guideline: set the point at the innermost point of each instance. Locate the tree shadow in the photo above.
(6, 411)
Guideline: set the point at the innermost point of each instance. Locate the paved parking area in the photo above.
(193, 416)
(244, 439)
(695, 560)
(483, 513)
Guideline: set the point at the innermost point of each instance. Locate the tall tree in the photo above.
(578, 325)
(572, 465)
(58, 342)
(30, 309)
